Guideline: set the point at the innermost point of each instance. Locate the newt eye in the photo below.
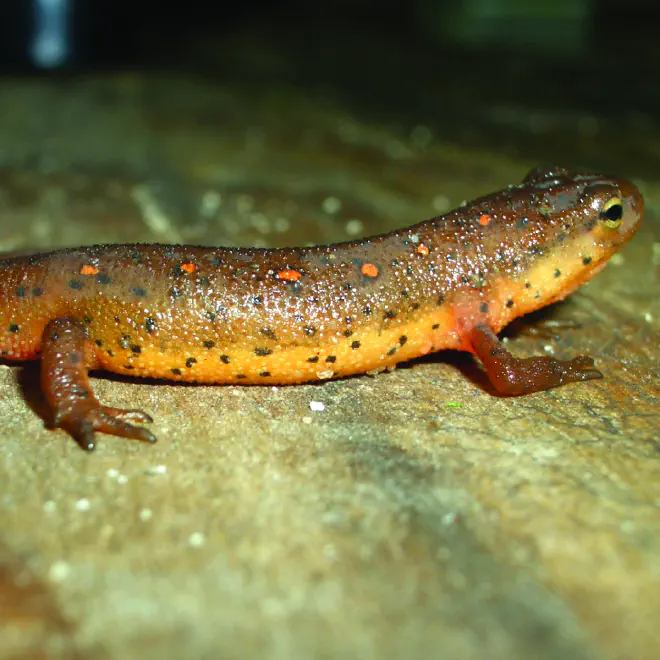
(612, 213)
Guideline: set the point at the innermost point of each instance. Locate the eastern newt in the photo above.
(279, 316)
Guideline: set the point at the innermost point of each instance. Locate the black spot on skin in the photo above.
(298, 317)
(177, 271)
(262, 351)
(102, 278)
(129, 366)
(314, 358)
(111, 353)
(414, 307)
(557, 273)
(176, 372)
(175, 292)
(98, 342)
(265, 374)
(348, 333)
(395, 262)
(225, 359)
(37, 291)
(435, 326)
(117, 319)
(20, 292)
(528, 285)
(15, 328)
(484, 308)
(139, 292)
(522, 223)
(441, 299)
(257, 301)
(76, 285)
(586, 260)
(241, 376)
(74, 358)
(366, 310)
(389, 314)
(55, 336)
(402, 340)
(347, 286)
(392, 351)
(87, 319)
(309, 330)
(268, 333)
(331, 358)
(136, 349)
(210, 316)
(150, 325)
(404, 293)
(355, 345)
(208, 344)
(125, 341)
(190, 361)
(509, 302)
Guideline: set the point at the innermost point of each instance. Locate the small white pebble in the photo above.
(275, 388)
(59, 571)
(122, 479)
(156, 469)
(83, 504)
(306, 420)
(113, 473)
(617, 259)
(196, 540)
(50, 506)
(146, 514)
(648, 317)
(316, 406)
(549, 348)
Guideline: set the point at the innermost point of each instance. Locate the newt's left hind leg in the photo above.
(514, 376)
(66, 357)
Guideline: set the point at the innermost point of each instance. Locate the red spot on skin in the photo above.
(188, 268)
(485, 219)
(370, 270)
(88, 269)
(289, 275)
(423, 249)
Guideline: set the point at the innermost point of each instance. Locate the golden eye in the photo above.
(612, 213)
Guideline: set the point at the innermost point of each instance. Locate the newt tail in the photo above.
(286, 316)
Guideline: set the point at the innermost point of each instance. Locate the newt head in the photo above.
(609, 209)
(577, 221)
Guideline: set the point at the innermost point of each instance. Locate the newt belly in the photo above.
(292, 315)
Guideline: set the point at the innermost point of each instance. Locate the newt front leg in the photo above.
(66, 357)
(514, 376)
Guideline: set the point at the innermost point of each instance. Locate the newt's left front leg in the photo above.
(510, 375)
(66, 357)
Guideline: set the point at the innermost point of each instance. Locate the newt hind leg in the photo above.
(66, 357)
(514, 376)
